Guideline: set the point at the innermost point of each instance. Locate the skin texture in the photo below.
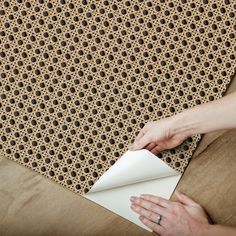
(168, 133)
(184, 217)
(174, 214)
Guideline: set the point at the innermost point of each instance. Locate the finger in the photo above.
(157, 200)
(159, 148)
(151, 225)
(156, 149)
(150, 146)
(147, 214)
(142, 142)
(148, 205)
(185, 199)
(140, 135)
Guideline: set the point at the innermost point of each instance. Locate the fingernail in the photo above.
(134, 207)
(132, 198)
(141, 217)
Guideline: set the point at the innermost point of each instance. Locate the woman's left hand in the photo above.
(184, 217)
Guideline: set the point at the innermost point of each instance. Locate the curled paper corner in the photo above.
(135, 173)
(133, 167)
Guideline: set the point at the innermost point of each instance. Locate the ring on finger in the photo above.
(158, 219)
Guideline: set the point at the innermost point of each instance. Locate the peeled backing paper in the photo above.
(135, 173)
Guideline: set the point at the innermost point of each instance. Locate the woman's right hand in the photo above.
(158, 135)
(172, 131)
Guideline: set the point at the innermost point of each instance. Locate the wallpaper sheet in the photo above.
(79, 79)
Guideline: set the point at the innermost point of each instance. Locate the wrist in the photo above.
(185, 123)
(205, 230)
(214, 230)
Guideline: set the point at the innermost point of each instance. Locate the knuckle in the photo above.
(147, 197)
(139, 201)
(177, 205)
(150, 215)
(142, 202)
(136, 200)
(152, 206)
(155, 207)
(157, 200)
(138, 209)
(145, 220)
(141, 211)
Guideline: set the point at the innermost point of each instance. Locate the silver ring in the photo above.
(158, 219)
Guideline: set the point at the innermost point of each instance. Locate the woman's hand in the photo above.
(170, 132)
(159, 135)
(185, 217)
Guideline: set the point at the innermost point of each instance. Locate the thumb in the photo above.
(140, 143)
(185, 199)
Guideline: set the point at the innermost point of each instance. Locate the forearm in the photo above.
(212, 116)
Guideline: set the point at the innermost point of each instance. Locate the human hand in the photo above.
(185, 217)
(159, 135)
